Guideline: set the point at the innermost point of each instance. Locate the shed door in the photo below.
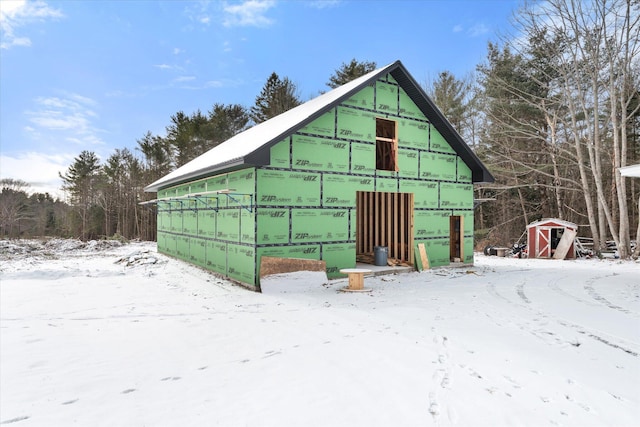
(384, 219)
(543, 239)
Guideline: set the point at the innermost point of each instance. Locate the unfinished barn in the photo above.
(370, 164)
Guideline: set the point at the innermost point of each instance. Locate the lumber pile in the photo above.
(369, 258)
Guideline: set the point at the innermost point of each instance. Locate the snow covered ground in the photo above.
(90, 338)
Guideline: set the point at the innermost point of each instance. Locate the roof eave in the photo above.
(234, 164)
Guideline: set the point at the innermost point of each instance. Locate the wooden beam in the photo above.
(423, 256)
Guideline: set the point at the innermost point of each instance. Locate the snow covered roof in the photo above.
(251, 147)
(554, 221)
(631, 171)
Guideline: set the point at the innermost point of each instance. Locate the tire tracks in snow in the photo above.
(589, 288)
(599, 336)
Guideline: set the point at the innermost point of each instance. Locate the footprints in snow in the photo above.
(442, 376)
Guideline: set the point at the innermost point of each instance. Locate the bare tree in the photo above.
(13, 205)
(582, 60)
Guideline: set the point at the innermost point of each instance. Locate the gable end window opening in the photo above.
(386, 145)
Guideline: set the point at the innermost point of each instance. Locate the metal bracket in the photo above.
(249, 208)
(205, 200)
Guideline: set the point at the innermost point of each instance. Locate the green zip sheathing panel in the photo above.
(441, 167)
(386, 98)
(217, 256)
(320, 154)
(456, 196)
(363, 158)
(285, 188)
(438, 143)
(324, 125)
(425, 193)
(464, 173)
(338, 256)
(213, 230)
(437, 251)
(363, 99)
(273, 226)
(407, 163)
(357, 125)
(340, 190)
(303, 204)
(241, 262)
(280, 154)
(411, 134)
(319, 225)
(408, 109)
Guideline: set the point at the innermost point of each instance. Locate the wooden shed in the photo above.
(552, 238)
(372, 163)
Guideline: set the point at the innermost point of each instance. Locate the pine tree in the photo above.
(350, 71)
(81, 182)
(276, 97)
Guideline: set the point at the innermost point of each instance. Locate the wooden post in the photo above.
(423, 256)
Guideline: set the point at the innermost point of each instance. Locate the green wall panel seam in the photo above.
(278, 245)
(396, 115)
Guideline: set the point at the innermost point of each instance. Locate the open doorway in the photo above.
(456, 238)
(384, 219)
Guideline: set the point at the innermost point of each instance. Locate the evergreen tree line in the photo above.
(103, 198)
(553, 111)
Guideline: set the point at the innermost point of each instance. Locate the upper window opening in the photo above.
(386, 145)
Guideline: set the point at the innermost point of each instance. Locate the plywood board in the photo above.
(424, 259)
(274, 265)
(565, 244)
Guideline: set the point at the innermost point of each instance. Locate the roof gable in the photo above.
(251, 147)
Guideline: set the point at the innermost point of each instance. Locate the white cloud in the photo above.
(68, 117)
(209, 84)
(15, 14)
(457, 28)
(169, 67)
(39, 170)
(198, 12)
(184, 79)
(250, 13)
(214, 83)
(120, 94)
(478, 30)
(177, 51)
(324, 4)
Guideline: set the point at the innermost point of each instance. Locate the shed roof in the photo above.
(553, 221)
(251, 147)
(631, 171)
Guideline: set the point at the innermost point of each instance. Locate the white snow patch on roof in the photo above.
(245, 143)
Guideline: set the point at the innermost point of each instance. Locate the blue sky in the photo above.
(97, 75)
